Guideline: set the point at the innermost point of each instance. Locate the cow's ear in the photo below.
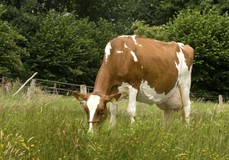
(80, 96)
(113, 97)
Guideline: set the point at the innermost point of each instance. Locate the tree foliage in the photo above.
(145, 30)
(66, 48)
(208, 34)
(10, 52)
(64, 40)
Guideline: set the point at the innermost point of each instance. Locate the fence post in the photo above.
(55, 89)
(83, 89)
(5, 84)
(220, 106)
(31, 89)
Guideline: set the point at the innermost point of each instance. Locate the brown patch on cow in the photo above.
(159, 67)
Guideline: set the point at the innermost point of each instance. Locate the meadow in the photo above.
(51, 127)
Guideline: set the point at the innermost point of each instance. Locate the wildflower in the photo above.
(21, 141)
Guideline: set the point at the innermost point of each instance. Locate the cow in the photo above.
(144, 70)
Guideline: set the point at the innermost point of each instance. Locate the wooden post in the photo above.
(31, 89)
(55, 89)
(83, 89)
(5, 84)
(220, 107)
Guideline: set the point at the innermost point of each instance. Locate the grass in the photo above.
(55, 127)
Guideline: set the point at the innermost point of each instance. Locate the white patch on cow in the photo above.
(131, 52)
(180, 44)
(108, 50)
(125, 45)
(181, 67)
(119, 51)
(134, 56)
(92, 104)
(149, 95)
(184, 79)
(124, 36)
(134, 39)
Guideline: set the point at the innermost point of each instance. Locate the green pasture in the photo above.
(54, 128)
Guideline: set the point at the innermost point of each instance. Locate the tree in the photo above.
(11, 53)
(154, 12)
(145, 30)
(118, 12)
(208, 34)
(68, 49)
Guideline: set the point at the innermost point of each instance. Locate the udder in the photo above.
(173, 102)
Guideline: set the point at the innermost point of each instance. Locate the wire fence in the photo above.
(63, 88)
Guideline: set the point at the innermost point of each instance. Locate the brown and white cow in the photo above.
(145, 70)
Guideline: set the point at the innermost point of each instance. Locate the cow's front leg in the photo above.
(113, 110)
(132, 103)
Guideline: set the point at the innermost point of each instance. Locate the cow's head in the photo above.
(95, 107)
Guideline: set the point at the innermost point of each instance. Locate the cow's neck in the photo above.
(103, 82)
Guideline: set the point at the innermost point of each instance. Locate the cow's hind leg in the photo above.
(132, 103)
(185, 96)
(186, 103)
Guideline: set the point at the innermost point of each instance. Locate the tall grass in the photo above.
(54, 127)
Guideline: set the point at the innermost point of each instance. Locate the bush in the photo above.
(155, 32)
(66, 48)
(11, 53)
(208, 34)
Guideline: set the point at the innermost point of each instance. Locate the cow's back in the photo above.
(135, 59)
